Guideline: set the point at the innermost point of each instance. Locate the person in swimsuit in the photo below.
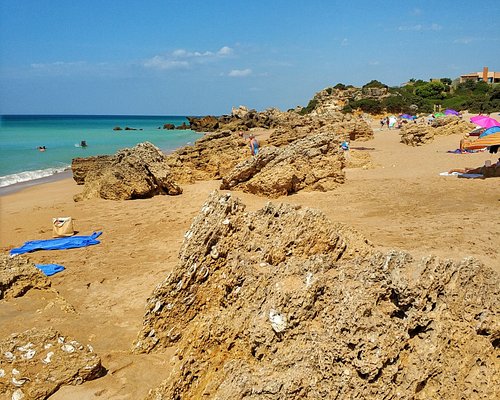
(254, 145)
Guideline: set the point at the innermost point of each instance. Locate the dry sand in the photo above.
(401, 203)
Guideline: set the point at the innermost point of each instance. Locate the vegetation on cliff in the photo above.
(417, 96)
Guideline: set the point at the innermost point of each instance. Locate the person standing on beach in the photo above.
(254, 145)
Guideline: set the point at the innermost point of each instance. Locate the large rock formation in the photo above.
(139, 172)
(281, 303)
(313, 163)
(81, 166)
(36, 363)
(420, 134)
(215, 154)
(332, 100)
(211, 157)
(240, 119)
(345, 126)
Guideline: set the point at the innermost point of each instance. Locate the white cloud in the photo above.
(181, 53)
(240, 72)
(344, 42)
(416, 11)
(159, 62)
(375, 62)
(182, 58)
(225, 51)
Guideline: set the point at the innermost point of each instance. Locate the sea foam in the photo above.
(30, 175)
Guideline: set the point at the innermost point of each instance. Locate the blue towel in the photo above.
(70, 242)
(50, 269)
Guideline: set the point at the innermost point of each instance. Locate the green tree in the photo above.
(395, 104)
(431, 90)
(371, 106)
(481, 88)
(374, 83)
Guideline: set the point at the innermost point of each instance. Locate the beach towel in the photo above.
(471, 176)
(70, 242)
(50, 269)
(462, 175)
(458, 151)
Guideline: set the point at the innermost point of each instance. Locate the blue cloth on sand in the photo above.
(69, 242)
(50, 269)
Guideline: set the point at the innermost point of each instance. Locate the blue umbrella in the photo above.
(489, 131)
(450, 111)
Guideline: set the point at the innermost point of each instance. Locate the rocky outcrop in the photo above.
(182, 126)
(36, 363)
(357, 129)
(332, 100)
(345, 126)
(170, 127)
(281, 303)
(241, 119)
(211, 157)
(420, 134)
(82, 165)
(215, 154)
(139, 172)
(416, 134)
(374, 92)
(207, 123)
(312, 163)
(18, 275)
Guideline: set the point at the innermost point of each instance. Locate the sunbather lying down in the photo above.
(488, 170)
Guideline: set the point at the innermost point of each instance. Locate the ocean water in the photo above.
(21, 135)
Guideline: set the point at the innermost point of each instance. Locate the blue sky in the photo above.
(172, 57)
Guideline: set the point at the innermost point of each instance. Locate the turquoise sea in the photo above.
(21, 135)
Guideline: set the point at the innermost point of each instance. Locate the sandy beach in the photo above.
(400, 203)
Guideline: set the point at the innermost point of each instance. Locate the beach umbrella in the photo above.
(485, 121)
(437, 115)
(406, 116)
(489, 131)
(487, 141)
(450, 111)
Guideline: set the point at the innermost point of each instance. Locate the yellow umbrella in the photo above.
(490, 140)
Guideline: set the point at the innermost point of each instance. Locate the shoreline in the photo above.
(16, 187)
(5, 190)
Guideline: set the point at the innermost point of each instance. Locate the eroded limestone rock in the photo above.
(282, 303)
(18, 275)
(420, 134)
(211, 157)
(139, 172)
(36, 363)
(315, 163)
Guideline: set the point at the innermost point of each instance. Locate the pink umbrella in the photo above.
(484, 121)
